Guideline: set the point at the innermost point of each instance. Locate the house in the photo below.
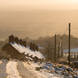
(73, 52)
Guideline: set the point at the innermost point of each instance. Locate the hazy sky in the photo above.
(35, 18)
(41, 4)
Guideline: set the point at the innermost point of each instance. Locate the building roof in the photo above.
(72, 50)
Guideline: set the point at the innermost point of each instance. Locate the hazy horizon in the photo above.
(34, 18)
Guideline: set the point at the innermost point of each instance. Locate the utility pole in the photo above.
(55, 49)
(69, 43)
(58, 55)
(61, 48)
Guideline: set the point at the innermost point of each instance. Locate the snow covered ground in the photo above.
(40, 74)
(11, 69)
(18, 69)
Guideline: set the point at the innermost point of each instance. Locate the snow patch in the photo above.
(11, 70)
